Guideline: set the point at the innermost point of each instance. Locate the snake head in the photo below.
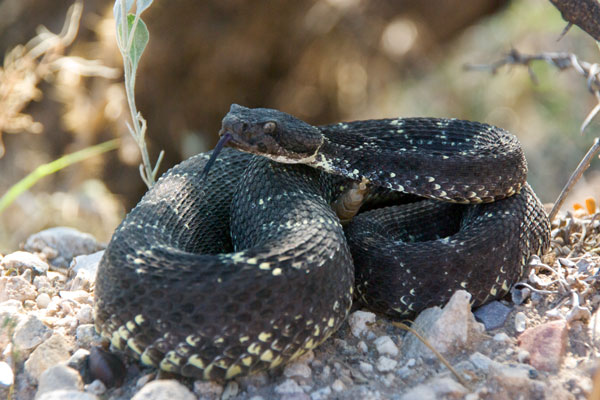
(271, 133)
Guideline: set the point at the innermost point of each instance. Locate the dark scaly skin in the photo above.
(171, 291)
(216, 316)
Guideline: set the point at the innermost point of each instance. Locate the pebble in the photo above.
(297, 369)
(289, 386)
(482, 362)
(359, 321)
(22, 260)
(84, 268)
(96, 387)
(51, 352)
(59, 377)
(163, 389)
(386, 346)
(208, 390)
(42, 300)
(362, 346)
(448, 330)
(16, 288)
(86, 336)
(231, 390)
(520, 322)
(80, 296)
(546, 344)
(493, 315)
(321, 394)
(7, 376)
(385, 364)
(85, 315)
(501, 337)
(29, 333)
(365, 367)
(67, 395)
(338, 386)
(436, 388)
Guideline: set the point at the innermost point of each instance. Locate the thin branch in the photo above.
(583, 165)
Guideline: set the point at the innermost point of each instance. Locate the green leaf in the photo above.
(140, 39)
(117, 9)
(141, 5)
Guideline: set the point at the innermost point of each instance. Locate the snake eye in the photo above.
(269, 127)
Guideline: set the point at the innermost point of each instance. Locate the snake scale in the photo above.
(247, 267)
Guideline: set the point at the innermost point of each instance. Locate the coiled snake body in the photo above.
(247, 267)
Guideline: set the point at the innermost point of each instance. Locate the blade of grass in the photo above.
(47, 169)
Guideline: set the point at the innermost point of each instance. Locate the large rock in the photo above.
(29, 333)
(53, 351)
(16, 288)
(448, 330)
(546, 344)
(59, 377)
(61, 244)
(22, 260)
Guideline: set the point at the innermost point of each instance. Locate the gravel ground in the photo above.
(541, 344)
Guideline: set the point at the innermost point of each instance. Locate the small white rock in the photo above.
(87, 336)
(321, 394)
(362, 346)
(338, 386)
(85, 315)
(231, 390)
(523, 356)
(358, 321)
(80, 296)
(501, 337)
(42, 300)
(385, 364)
(208, 390)
(97, 387)
(289, 386)
(386, 346)
(365, 367)
(67, 395)
(297, 369)
(520, 322)
(7, 376)
(164, 389)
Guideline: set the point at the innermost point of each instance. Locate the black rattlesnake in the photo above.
(243, 269)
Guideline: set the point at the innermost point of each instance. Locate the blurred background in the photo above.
(321, 60)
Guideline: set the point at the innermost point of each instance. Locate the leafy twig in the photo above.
(132, 37)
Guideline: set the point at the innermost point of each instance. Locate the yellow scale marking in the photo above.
(267, 356)
(134, 346)
(146, 360)
(196, 361)
(254, 348)
(232, 371)
(264, 336)
(247, 361)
